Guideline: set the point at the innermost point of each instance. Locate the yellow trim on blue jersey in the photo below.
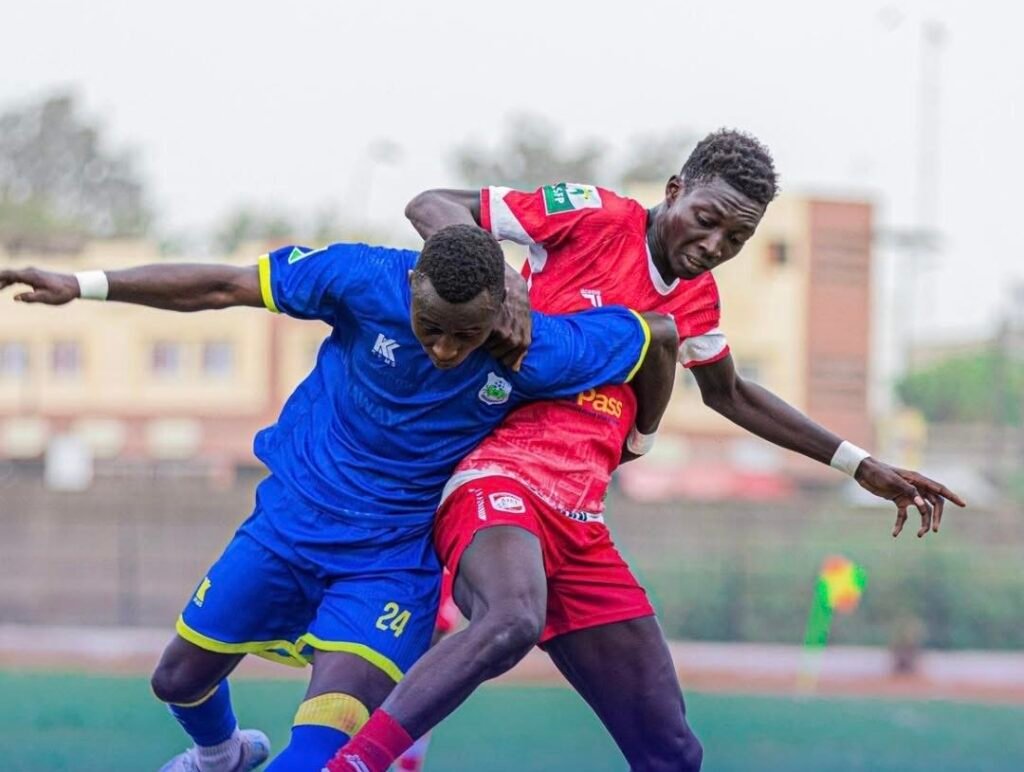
(291, 659)
(267, 649)
(266, 291)
(334, 709)
(643, 351)
(371, 656)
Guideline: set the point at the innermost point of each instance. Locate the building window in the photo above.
(165, 360)
(66, 359)
(13, 359)
(778, 253)
(218, 358)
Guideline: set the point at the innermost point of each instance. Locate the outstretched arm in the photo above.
(653, 384)
(175, 287)
(759, 411)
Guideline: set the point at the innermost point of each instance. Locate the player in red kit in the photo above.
(521, 524)
(414, 758)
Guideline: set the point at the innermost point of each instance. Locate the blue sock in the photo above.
(311, 747)
(211, 721)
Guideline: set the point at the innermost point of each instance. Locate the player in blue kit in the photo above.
(336, 564)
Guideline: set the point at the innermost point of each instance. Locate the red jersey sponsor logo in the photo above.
(600, 403)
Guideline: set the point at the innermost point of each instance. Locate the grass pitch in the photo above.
(84, 723)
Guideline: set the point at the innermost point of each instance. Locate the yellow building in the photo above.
(134, 382)
(138, 383)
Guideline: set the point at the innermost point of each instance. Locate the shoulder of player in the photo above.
(578, 201)
(375, 255)
(354, 254)
(612, 208)
(376, 278)
(695, 305)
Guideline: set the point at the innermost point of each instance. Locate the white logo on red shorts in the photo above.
(481, 510)
(508, 502)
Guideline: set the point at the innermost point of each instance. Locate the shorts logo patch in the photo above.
(507, 502)
(200, 597)
(496, 391)
(570, 196)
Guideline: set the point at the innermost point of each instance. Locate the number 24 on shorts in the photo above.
(393, 619)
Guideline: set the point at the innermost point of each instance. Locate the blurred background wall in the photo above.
(882, 294)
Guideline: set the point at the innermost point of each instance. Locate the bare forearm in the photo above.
(653, 384)
(759, 411)
(434, 209)
(654, 380)
(186, 287)
(762, 413)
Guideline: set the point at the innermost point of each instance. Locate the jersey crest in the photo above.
(496, 391)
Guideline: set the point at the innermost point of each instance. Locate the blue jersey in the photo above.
(374, 431)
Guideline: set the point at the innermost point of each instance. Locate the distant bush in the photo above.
(962, 598)
(986, 387)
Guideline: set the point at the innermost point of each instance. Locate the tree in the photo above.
(250, 224)
(978, 388)
(653, 158)
(274, 227)
(59, 180)
(529, 154)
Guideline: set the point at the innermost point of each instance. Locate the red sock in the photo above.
(374, 748)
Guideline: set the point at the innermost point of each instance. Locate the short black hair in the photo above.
(738, 159)
(461, 261)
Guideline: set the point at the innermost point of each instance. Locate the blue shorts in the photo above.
(295, 579)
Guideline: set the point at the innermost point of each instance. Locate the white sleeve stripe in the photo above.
(538, 258)
(702, 347)
(504, 224)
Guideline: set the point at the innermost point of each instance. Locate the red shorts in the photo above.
(589, 584)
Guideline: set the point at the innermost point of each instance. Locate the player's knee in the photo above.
(691, 752)
(679, 751)
(509, 637)
(172, 683)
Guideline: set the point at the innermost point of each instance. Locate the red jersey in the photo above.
(587, 247)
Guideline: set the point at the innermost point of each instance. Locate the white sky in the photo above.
(276, 103)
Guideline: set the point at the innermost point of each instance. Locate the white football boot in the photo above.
(255, 750)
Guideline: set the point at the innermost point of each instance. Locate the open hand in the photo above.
(53, 289)
(906, 488)
(514, 329)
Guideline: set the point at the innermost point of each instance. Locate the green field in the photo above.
(73, 722)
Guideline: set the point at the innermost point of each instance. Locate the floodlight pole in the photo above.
(926, 193)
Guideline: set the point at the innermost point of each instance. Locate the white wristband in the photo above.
(92, 285)
(848, 457)
(639, 443)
